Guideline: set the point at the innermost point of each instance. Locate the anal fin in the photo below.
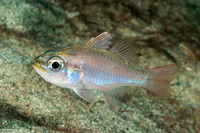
(113, 96)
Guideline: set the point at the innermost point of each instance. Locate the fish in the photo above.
(187, 50)
(96, 66)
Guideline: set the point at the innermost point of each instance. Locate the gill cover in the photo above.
(73, 76)
(64, 72)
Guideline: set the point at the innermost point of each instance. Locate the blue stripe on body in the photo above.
(98, 77)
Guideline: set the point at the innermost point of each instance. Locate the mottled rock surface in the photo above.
(30, 27)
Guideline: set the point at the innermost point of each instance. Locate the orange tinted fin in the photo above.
(102, 41)
(126, 50)
(159, 79)
(158, 87)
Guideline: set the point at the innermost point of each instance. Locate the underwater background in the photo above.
(165, 32)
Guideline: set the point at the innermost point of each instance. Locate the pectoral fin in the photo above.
(85, 95)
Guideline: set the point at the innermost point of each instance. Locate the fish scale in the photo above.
(103, 74)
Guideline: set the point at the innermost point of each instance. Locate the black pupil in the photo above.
(55, 65)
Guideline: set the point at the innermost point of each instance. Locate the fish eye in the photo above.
(55, 63)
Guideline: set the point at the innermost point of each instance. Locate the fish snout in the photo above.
(37, 63)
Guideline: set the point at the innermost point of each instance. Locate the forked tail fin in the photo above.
(159, 79)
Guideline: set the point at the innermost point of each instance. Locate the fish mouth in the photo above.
(37, 65)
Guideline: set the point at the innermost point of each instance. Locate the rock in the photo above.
(30, 27)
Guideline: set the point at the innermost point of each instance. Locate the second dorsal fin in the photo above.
(102, 41)
(126, 50)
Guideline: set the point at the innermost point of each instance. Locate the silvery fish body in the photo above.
(83, 68)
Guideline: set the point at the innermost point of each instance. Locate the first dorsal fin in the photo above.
(126, 50)
(102, 41)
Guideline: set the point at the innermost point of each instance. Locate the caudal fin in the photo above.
(160, 77)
